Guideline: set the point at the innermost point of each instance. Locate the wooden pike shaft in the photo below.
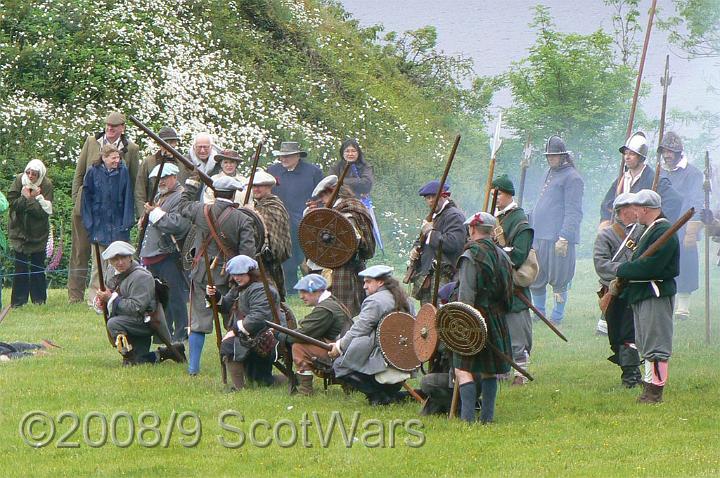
(539, 314)
(101, 280)
(256, 158)
(216, 315)
(661, 133)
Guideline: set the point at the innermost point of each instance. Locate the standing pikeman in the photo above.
(515, 236)
(160, 251)
(651, 292)
(222, 232)
(278, 243)
(447, 231)
(556, 220)
(686, 178)
(485, 283)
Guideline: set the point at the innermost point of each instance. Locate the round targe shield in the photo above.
(327, 238)
(425, 336)
(258, 227)
(395, 336)
(462, 328)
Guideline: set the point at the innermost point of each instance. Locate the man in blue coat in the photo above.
(296, 180)
(556, 220)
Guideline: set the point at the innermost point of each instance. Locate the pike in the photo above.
(151, 201)
(524, 165)
(256, 158)
(665, 81)
(636, 93)
(539, 314)
(5, 312)
(421, 239)
(707, 188)
(174, 152)
(215, 312)
(101, 279)
(493, 156)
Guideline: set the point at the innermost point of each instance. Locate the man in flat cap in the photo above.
(114, 134)
(556, 220)
(223, 232)
(130, 300)
(278, 243)
(614, 246)
(514, 234)
(651, 292)
(160, 250)
(143, 183)
(485, 283)
(296, 180)
(446, 232)
(688, 179)
(327, 321)
(346, 285)
(359, 362)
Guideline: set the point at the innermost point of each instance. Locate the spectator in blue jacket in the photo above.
(107, 204)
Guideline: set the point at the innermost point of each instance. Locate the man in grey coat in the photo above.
(556, 220)
(160, 250)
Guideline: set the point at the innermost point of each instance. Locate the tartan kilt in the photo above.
(347, 286)
(486, 361)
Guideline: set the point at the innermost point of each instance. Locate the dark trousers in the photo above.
(290, 266)
(29, 279)
(176, 314)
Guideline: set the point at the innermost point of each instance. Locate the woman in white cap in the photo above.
(249, 347)
(30, 198)
(359, 361)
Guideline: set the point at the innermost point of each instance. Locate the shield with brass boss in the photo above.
(327, 238)
(462, 328)
(425, 335)
(395, 336)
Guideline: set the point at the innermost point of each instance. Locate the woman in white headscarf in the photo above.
(30, 198)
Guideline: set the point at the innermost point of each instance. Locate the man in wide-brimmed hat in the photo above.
(296, 180)
(229, 161)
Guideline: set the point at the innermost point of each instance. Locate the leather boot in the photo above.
(654, 394)
(236, 372)
(629, 361)
(644, 394)
(305, 384)
(178, 350)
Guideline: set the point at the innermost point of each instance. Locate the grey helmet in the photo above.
(671, 141)
(168, 134)
(555, 145)
(637, 143)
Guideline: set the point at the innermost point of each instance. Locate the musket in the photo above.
(339, 184)
(524, 165)
(5, 312)
(151, 201)
(493, 156)
(539, 314)
(438, 276)
(256, 158)
(421, 239)
(175, 153)
(636, 93)
(216, 315)
(707, 188)
(493, 204)
(101, 279)
(665, 82)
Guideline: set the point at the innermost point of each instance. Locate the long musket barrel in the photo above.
(539, 314)
(101, 280)
(176, 154)
(341, 181)
(665, 81)
(707, 189)
(256, 158)
(151, 201)
(421, 239)
(631, 118)
(216, 315)
(524, 165)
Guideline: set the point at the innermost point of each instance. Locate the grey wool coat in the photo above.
(161, 231)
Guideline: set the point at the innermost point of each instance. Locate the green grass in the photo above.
(574, 420)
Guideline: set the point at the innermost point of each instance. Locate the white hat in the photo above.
(326, 183)
(118, 248)
(481, 219)
(240, 265)
(647, 198)
(227, 183)
(311, 283)
(169, 169)
(263, 178)
(376, 272)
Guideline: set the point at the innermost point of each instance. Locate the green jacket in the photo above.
(662, 267)
(519, 237)
(327, 320)
(29, 224)
(129, 152)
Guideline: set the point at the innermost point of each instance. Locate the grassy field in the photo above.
(574, 420)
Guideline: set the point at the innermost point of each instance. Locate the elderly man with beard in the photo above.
(114, 134)
(160, 251)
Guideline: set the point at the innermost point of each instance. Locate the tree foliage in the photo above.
(695, 27)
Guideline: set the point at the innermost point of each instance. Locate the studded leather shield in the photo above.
(462, 328)
(327, 238)
(258, 226)
(395, 336)
(425, 335)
